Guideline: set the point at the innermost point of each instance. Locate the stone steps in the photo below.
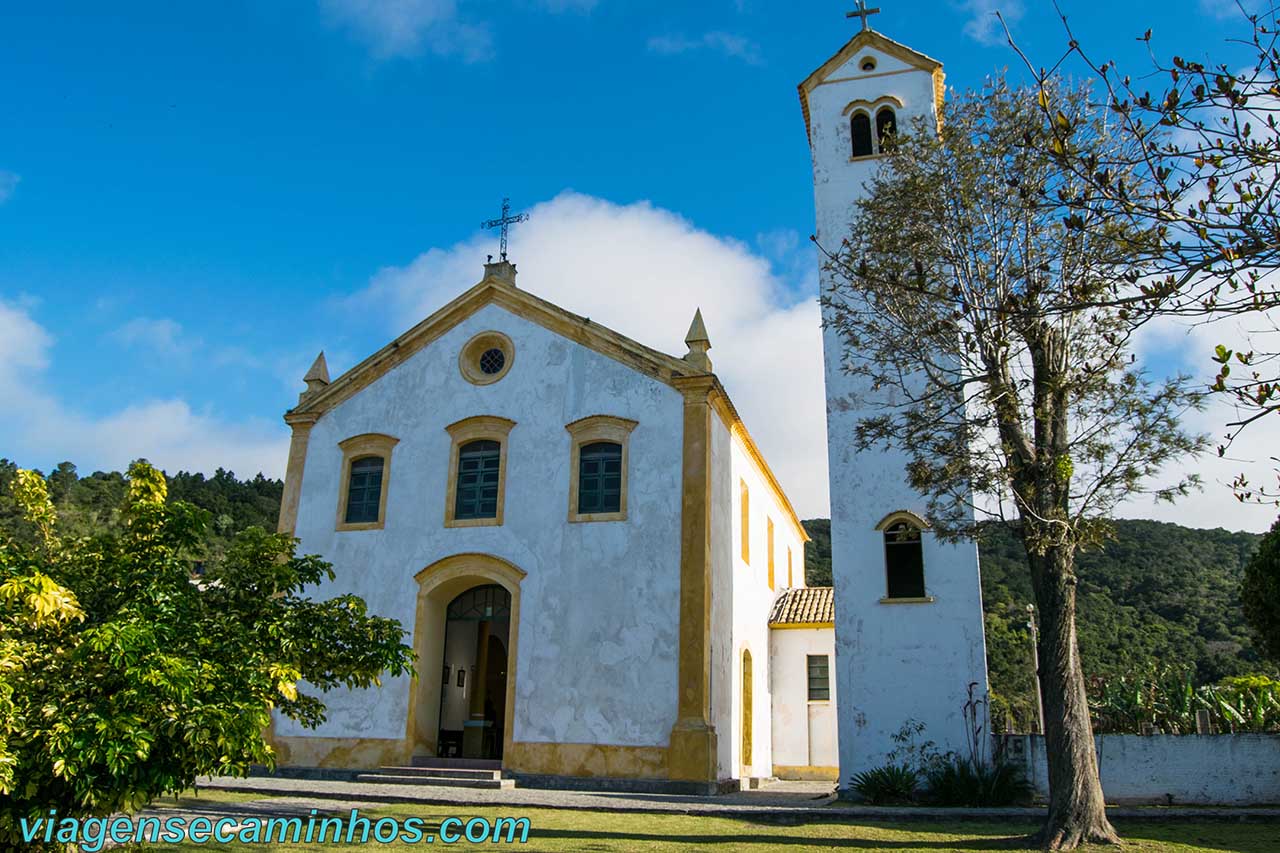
(389, 778)
(429, 771)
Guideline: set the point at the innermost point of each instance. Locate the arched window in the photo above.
(904, 561)
(477, 470)
(886, 126)
(860, 131)
(600, 478)
(598, 468)
(366, 470)
(478, 473)
(364, 490)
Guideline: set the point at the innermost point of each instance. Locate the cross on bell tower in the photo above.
(505, 221)
(863, 12)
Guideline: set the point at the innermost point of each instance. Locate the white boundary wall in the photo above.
(1232, 770)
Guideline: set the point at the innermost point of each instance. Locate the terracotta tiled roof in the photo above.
(813, 605)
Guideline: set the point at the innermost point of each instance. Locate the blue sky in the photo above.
(195, 199)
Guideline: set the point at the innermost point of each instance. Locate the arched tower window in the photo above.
(860, 132)
(886, 126)
(904, 561)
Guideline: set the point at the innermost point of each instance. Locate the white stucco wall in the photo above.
(741, 600)
(804, 732)
(599, 617)
(893, 661)
(1232, 770)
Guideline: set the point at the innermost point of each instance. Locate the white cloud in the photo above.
(410, 27)
(41, 430)
(983, 26)
(8, 183)
(727, 44)
(642, 271)
(162, 335)
(1167, 346)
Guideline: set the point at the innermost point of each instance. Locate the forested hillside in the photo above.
(87, 504)
(1158, 595)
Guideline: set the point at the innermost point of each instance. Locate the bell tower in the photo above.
(908, 608)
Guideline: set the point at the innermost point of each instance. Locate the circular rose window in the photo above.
(486, 358)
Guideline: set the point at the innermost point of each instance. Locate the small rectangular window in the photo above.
(791, 581)
(479, 464)
(745, 506)
(819, 678)
(769, 545)
(600, 478)
(364, 490)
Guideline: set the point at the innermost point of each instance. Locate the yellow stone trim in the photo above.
(439, 584)
(362, 447)
(668, 369)
(744, 521)
(791, 626)
(692, 752)
(587, 760)
(588, 431)
(928, 599)
(469, 357)
(340, 753)
(902, 515)
(864, 39)
(791, 581)
(496, 291)
(806, 772)
(465, 431)
(301, 426)
(748, 712)
(738, 430)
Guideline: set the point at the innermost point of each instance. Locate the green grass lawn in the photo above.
(604, 832)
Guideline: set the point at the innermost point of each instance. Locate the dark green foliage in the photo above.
(960, 783)
(1155, 592)
(889, 785)
(1261, 593)
(92, 504)
(125, 677)
(955, 781)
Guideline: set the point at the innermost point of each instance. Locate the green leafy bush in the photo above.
(956, 781)
(1167, 700)
(889, 785)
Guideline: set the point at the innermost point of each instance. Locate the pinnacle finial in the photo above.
(318, 376)
(698, 343)
(697, 331)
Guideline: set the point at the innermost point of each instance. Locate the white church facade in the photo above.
(601, 576)
(580, 533)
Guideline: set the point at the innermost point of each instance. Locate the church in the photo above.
(601, 577)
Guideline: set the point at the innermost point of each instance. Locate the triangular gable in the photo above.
(884, 44)
(496, 291)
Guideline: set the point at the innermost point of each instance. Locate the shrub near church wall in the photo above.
(1229, 770)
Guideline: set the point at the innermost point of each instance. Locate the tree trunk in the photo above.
(1077, 811)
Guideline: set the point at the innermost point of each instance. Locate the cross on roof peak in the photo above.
(505, 221)
(863, 12)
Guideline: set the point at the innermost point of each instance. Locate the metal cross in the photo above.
(504, 222)
(863, 13)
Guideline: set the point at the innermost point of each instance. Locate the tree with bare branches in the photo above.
(986, 329)
(1199, 171)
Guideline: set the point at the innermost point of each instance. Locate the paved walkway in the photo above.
(778, 801)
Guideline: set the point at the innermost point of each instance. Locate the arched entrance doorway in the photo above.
(468, 617)
(473, 685)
